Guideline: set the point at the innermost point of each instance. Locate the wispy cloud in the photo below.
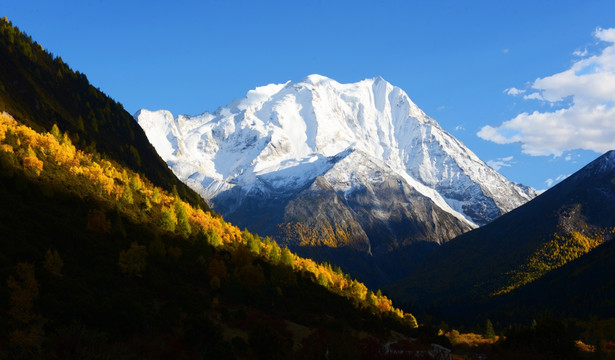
(588, 121)
(459, 128)
(533, 96)
(551, 182)
(514, 91)
(580, 53)
(501, 162)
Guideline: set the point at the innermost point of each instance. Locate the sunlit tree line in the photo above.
(52, 157)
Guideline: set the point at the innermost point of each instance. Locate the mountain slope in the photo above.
(560, 225)
(347, 145)
(583, 288)
(41, 90)
(99, 261)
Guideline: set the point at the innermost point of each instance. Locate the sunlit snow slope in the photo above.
(360, 142)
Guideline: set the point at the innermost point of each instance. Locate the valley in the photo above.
(308, 219)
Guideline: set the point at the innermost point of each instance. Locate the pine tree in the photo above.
(55, 131)
(214, 238)
(322, 280)
(489, 332)
(253, 244)
(156, 196)
(167, 220)
(286, 257)
(127, 196)
(183, 225)
(274, 252)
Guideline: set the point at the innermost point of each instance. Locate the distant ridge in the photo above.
(535, 240)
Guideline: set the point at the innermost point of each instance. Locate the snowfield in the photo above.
(280, 137)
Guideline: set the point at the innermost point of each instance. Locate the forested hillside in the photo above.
(572, 220)
(40, 90)
(99, 260)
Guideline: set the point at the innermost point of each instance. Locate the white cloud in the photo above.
(459, 128)
(514, 91)
(587, 123)
(580, 53)
(533, 96)
(500, 163)
(561, 177)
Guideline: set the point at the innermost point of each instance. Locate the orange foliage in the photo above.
(33, 163)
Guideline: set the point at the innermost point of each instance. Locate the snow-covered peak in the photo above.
(316, 79)
(279, 137)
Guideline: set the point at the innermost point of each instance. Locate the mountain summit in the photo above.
(359, 162)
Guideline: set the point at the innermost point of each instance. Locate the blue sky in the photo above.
(514, 80)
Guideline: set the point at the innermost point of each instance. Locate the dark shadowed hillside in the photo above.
(39, 90)
(99, 261)
(561, 225)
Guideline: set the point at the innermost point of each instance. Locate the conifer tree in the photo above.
(66, 140)
(286, 257)
(322, 280)
(167, 220)
(251, 241)
(156, 196)
(183, 225)
(127, 196)
(274, 252)
(489, 332)
(55, 131)
(214, 238)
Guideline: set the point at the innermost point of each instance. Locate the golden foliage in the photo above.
(555, 253)
(323, 233)
(109, 181)
(469, 340)
(33, 163)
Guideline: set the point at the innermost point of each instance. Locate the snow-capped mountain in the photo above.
(369, 161)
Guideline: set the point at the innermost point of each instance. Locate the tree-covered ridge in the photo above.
(149, 227)
(553, 254)
(39, 89)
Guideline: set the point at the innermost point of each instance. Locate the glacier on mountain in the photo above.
(280, 137)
